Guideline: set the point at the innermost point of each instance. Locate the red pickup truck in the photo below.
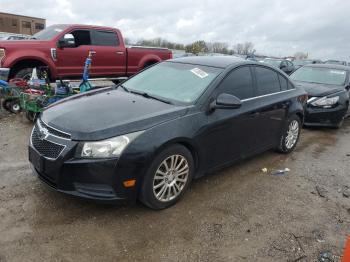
(64, 48)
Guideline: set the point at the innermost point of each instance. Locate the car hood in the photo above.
(106, 113)
(318, 90)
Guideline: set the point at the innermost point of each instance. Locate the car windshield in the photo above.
(176, 82)
(49, 32)
(320, 75)
(273, 62)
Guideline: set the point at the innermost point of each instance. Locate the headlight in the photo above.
(326, 102)
(109, 148)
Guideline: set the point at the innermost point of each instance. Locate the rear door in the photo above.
(273, 103)
(110, 56)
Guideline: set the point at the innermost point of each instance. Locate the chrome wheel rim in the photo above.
(170, 178)
(292, 134)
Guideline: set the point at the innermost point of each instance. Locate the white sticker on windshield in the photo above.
(338, 72)
(199, 72)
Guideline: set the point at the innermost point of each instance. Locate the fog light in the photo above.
(129, 183)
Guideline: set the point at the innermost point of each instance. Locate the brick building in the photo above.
(20, 24)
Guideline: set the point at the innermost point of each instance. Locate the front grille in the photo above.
(53, 131)
(44, 147)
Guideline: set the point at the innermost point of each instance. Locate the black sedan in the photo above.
(328, 90)
(283, 64)
(150, 136)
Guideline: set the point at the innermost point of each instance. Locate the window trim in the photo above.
(256, 97)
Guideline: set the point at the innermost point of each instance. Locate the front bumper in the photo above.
(93, 179)
(332, 117)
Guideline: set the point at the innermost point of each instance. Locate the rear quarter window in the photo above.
(267, 81)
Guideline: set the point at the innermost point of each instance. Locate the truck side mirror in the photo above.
(67, 41)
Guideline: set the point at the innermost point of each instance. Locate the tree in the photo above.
(301, 55)
(197, 47)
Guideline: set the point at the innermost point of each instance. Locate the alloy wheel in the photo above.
(292, 134)
(170, 178)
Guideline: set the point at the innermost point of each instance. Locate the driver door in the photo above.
(70, 60)
(230, 133)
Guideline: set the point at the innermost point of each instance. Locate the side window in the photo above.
(283, 82)
(104, 38)
(289, 63)
(81, 37)
(239, 83)
(267, 81)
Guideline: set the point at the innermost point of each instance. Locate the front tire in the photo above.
(24, 73)
(290, 135)
(168, 177)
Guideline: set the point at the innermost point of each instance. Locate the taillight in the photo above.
(171, 55)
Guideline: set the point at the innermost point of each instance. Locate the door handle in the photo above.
(120, 53)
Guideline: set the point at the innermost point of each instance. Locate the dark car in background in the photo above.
(328, 91)
(150, 136)
(336, 62)
(283, 64)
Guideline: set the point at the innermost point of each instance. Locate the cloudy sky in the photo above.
(321, 28)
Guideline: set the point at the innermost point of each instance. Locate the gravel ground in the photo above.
(237, 214)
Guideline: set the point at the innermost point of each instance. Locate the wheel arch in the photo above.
(187, 143)
(29, 62)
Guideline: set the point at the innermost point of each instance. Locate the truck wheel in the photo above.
(15, 107)
(24, 73)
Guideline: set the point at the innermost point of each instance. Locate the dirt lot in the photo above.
(238, 214)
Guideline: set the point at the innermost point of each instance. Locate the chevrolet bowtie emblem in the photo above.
(43, 133)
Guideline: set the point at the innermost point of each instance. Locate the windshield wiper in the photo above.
(144, 94)
(124, 88)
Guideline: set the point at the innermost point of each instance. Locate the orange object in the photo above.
(346, 256)
(129, 183)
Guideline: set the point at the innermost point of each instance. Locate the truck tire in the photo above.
(24, 73)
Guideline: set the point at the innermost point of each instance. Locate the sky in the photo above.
(275, 27)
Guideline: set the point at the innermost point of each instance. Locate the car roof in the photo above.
(213, 61)
(331, 66)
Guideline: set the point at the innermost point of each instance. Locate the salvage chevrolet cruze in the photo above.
(150, 136)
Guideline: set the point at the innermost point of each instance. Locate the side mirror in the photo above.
(283, 66)
(226, 101)
(67, 41)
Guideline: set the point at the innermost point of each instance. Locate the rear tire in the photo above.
(167, 178)
(290, 135)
